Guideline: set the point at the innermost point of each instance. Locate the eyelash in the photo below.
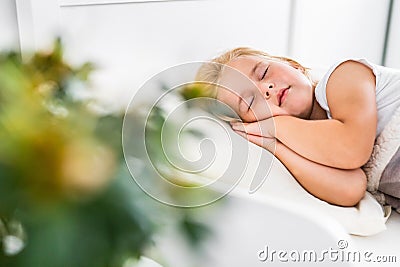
(265, 72)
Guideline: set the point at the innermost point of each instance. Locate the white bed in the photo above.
(280, 215)
(247, 223)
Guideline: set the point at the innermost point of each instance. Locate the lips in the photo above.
(282, 95)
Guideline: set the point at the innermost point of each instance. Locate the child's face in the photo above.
(276, 88)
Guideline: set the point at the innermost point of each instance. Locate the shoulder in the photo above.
(351, 95)
(352, 72)
(350, 90)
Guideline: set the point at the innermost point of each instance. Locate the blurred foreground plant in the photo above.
(66, 197)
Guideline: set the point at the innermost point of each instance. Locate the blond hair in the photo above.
(210, 72)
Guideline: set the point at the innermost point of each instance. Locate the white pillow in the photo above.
(367, 218)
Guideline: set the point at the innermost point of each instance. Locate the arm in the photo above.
(329, 142)
(346, 141)
(336, 186)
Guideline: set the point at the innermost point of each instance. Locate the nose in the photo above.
(269, 90)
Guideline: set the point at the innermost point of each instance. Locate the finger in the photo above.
(265, 142)
(246, 127)
(260, 128)
(249, 135)
(242, 134)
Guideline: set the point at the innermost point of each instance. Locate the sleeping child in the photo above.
(329, 134)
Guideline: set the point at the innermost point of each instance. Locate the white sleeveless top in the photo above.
(387, 91)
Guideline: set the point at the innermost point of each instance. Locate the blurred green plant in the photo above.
(66, 197)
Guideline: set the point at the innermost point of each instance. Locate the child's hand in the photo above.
(258, 133)
(264, 128)
(264, 142)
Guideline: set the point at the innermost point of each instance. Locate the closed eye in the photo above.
(251, 102)
(265, 72)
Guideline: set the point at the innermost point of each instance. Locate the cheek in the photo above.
(299, 103)
(228, 100)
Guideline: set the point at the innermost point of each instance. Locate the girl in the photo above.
(324, 132)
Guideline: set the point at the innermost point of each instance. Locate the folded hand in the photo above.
(264, 128)
(261, 133)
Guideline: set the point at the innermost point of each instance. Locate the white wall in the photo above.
(9, 37)
(321, 31)
(132, 40)
(326, 31)
(393, 50)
